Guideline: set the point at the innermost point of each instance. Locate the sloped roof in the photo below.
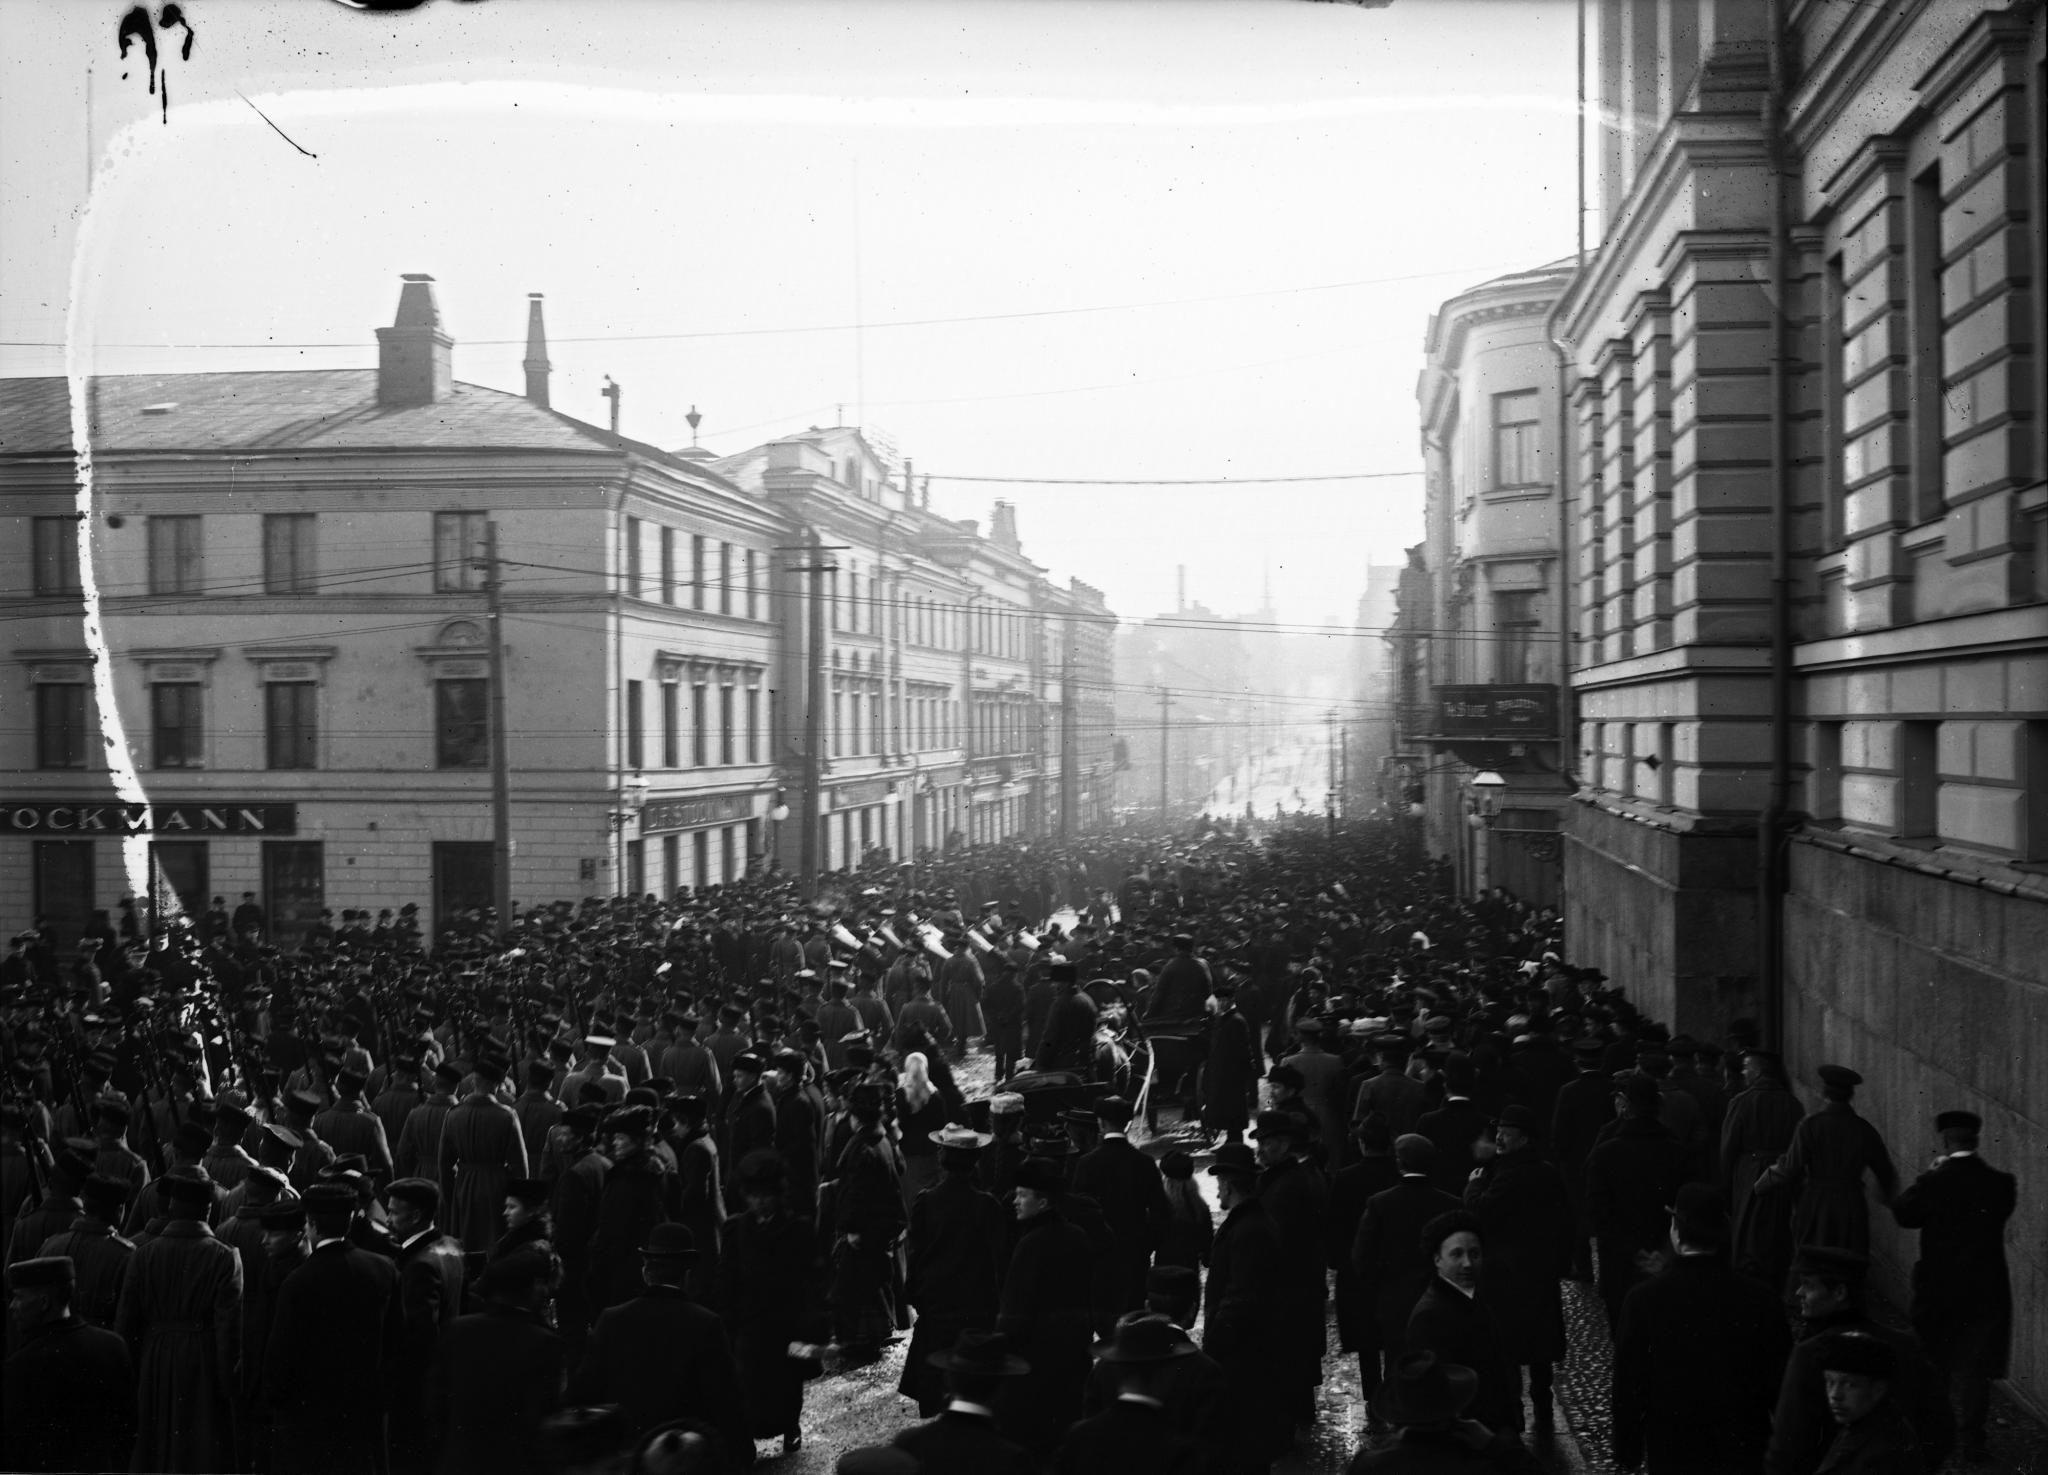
(295, 409)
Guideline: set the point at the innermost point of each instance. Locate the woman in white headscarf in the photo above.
(921, 1109)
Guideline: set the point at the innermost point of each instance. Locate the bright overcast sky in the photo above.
(721, 169)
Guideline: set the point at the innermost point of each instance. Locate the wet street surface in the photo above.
(849, 1407)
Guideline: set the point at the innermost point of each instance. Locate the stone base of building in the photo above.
(1936, 990)
(1668, 913)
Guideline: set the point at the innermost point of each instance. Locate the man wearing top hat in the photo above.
(966, 1437)
(1824, 1164)
(1243, 1323)
(1962, 1294)
(1135, 1435)
(69, 1386)
(482, 1149)
(1699, 1354)
(180, 1315)
(957, 1248)
(661, 1356)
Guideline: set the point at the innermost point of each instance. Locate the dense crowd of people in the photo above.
(611, 1189)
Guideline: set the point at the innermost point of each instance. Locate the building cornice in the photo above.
(2025, 628)
(1680, 660)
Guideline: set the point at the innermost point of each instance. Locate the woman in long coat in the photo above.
(181, 1315)
(770, 1288)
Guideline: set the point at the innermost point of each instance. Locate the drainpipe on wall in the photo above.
(1772, 824)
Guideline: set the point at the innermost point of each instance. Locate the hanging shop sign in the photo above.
(690, 814)
(856, 796)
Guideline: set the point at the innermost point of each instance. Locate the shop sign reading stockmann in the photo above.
(687, 814)
(86, 818)
(1496, 711)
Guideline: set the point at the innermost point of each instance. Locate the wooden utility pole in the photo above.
(1165, 804)
(1070, 734)
(1330, 798)
(501, 777)
(815, 659)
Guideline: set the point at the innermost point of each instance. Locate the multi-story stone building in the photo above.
(1489, 400)
(283, 681)
(1810, 653)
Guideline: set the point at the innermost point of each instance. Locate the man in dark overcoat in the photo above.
(634, 1199)
(573, 1209)
(99, 1255)
(333, 1335)
(965, 1438)
(1699, 1355)
(749, 1116)
(1585, 1104)
(1829, 1295)
(1231, 1073)
(498, 1373)
(696, 1187)
(1830, 1151)
(662, 1357)
(770, 1289)
(1755, 1132)
(1046, 1312)
(1372, 1171)
(350, 1126)
(1962, 1292)
(1452, 1319)
(1631, 1178)
(430, 1286)
(1068, 1042)
(1386, 1252)
(957, 1248)
(1390, 1090)
(1243, 1327)
(181, 1316)
(1135, 1434)
(1457, 1125)
(1297, 1202)
(482, 1149)
(69, 1385)
(799, 1130)
(1526, 1219)
(1127, 1186)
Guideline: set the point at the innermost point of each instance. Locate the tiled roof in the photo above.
(310, 409)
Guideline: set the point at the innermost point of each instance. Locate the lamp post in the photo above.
(1488, 789)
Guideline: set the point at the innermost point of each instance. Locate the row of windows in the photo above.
(717, 727)
(720, 576)
(66, 737)
(1002, 725)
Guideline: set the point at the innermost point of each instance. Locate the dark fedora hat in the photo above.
(1144, 1337)
(670, 1242)
(1234, 1158)
(984, 1354)
(1422, 1390)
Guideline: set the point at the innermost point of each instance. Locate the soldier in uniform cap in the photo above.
(181, 1314)
(60, 1205)
(1829, 1153)
(99, 1254)
(482, 1148)
(333, 1335)
(1962, 1295)
(661, 1356)
(69, 1385)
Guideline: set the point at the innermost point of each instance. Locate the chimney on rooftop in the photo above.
(415, 357)
(1180, 599)
(1002, 525)
(536, 364)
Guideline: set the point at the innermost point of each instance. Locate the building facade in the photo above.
(1809, 647)
(1496, 590)
(283, 681)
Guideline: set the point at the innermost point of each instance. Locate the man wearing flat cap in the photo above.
(1962, 1293)
(661, 1356)
(180, 1315)
(1699, 1355)
(334, 1334)
(482, 1149)
(1828, 1294)
(69, 1386)
(1824, 1165)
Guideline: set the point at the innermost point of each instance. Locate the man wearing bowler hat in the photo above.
(1244, 1325)
(1047, 1311)
(69, 1385)
(966, 1438)
(1126, 1184)
(957, 1247)
(1699, 1354)
(1135, 1435)
(661, 1356)
(1829, 1153)
(1962, 1294)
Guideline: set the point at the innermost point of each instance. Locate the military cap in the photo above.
(302, 1103)
(1959, 1121)
(283, 1136)
(104, 1196)
(349, 1082)
(1840, 1077)
(529, 1190)
(191, 1139)
(112, 1110)
(261, 1180)
(1829, 1262)
(748, 1061)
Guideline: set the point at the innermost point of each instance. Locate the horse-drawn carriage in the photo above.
(1145, 1061)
